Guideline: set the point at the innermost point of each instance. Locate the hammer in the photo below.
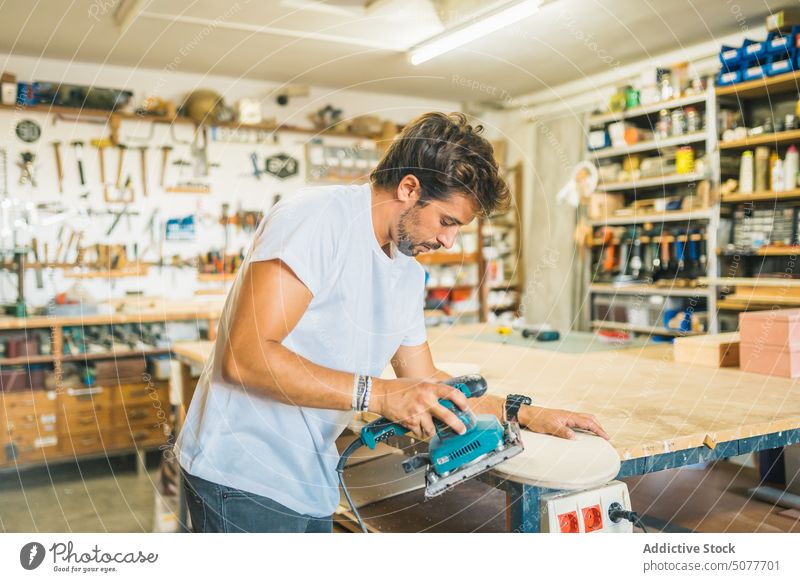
(122, 149)
(101, 144)
(59, 168)
(164, 158)
(143, 160)
(78, 145)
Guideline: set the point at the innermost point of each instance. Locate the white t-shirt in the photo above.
(365, 306)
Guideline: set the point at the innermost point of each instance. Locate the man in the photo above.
(328, 294)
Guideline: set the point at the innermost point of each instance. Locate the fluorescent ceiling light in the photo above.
(448, 41)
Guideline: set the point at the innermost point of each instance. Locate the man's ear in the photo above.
(408, 189)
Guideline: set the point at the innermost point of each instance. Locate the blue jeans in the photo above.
(217, 508)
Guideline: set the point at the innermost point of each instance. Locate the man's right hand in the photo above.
(414, 403)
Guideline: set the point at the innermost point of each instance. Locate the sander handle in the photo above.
(471, 386)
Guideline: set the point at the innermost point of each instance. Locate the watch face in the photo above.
(28, 131)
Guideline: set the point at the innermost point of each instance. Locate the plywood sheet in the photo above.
(648, 403)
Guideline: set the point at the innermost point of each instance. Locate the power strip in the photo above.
(586, 511)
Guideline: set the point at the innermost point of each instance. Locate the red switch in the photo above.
(568, 522)
(592, 518)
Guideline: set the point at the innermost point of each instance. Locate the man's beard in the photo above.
(405, 244)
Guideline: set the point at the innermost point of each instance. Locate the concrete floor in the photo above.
(107, 495)
(111, 495)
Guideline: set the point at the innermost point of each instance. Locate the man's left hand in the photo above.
(559, 422)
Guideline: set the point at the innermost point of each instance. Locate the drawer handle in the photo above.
(137, 436)
(85, 421)
(86, 441)
(136, 414)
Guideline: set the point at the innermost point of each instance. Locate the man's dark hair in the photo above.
(447, 155)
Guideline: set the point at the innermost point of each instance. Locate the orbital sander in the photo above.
(452, 458)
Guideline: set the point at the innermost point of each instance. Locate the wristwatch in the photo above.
(513, 404)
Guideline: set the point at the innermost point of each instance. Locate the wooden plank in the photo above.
(762, 196)
(648, 405)
(774, 139)
(718, 351)
(43, 321)
(785, 83)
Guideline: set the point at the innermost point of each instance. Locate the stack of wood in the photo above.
(771, 342)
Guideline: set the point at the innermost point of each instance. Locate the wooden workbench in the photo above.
(660, 414)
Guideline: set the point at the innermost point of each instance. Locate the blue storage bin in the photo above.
(752, 51)
(729, 76)
(779, 64)
(782, 45)
(753, 71)
(729, 55)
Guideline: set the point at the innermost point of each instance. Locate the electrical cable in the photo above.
(631, 516)
(351, 448)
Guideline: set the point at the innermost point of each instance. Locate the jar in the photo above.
(693, 121)
(678, 122)
(663, 125)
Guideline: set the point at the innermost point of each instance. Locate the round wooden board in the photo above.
(556, 463)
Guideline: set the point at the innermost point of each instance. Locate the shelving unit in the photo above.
(641, 329)
(115, 116)
(634, 296)
(68, 421)
(666, 216)
(654, 182)
(648, 146)
(502, 240)
(745, 285)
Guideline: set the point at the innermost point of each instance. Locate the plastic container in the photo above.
(782, 45)
(729, 55)
(753, 71)
(779, 65)
(752, 51)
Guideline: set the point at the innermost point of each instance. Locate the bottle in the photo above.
(777, 176)
(790, 167)
(746, 173)
(761, 173)
(773, 157)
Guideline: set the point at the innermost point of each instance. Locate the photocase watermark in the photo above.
(567, 20)
(66, 558)
(736, 10)
(99, 8)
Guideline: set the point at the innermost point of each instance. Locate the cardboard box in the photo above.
(770, 342)
(602, 206)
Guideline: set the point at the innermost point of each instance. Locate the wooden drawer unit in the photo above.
(28, 448)
(79, 400)
(140, 415)
(142, 437)
(85, 421)
(86, 443)
(141, 393)
(32, 412)
(28, 400)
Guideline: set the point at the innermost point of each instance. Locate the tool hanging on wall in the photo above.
(165, 150)
(200, 153)
(59, 167)
(3, 173)
(143, 167)
(101, 145)
(77, 145)
(256, 168)
(28, 131)
(38, 263)
(26, 169)
(121, 148)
